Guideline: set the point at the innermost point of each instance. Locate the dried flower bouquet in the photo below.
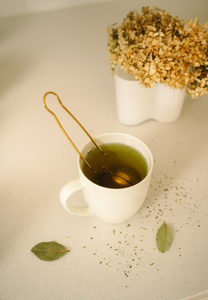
(156, 47)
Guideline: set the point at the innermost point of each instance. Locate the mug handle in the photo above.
(69, 189)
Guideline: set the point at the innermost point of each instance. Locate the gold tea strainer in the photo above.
(116, 177)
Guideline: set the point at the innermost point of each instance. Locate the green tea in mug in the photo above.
(119, 156)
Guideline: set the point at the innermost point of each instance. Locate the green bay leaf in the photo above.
(163, 238)
(49, 251)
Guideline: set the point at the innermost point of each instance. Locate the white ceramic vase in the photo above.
(136, 104)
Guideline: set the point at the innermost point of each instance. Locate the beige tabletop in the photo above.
(65, 51)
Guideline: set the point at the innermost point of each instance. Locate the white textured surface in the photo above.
(65, 51)
(19, 7)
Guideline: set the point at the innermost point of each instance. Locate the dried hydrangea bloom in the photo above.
(156, 47)
(199, 86)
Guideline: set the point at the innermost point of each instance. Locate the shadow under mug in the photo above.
(109, 204)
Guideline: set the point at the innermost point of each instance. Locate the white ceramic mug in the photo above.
(109, 204)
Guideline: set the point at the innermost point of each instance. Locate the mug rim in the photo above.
(149, 172)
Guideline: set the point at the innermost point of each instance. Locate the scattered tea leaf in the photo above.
(49, 251)
(163, 238)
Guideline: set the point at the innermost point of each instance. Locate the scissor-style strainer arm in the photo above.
(57, 120)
